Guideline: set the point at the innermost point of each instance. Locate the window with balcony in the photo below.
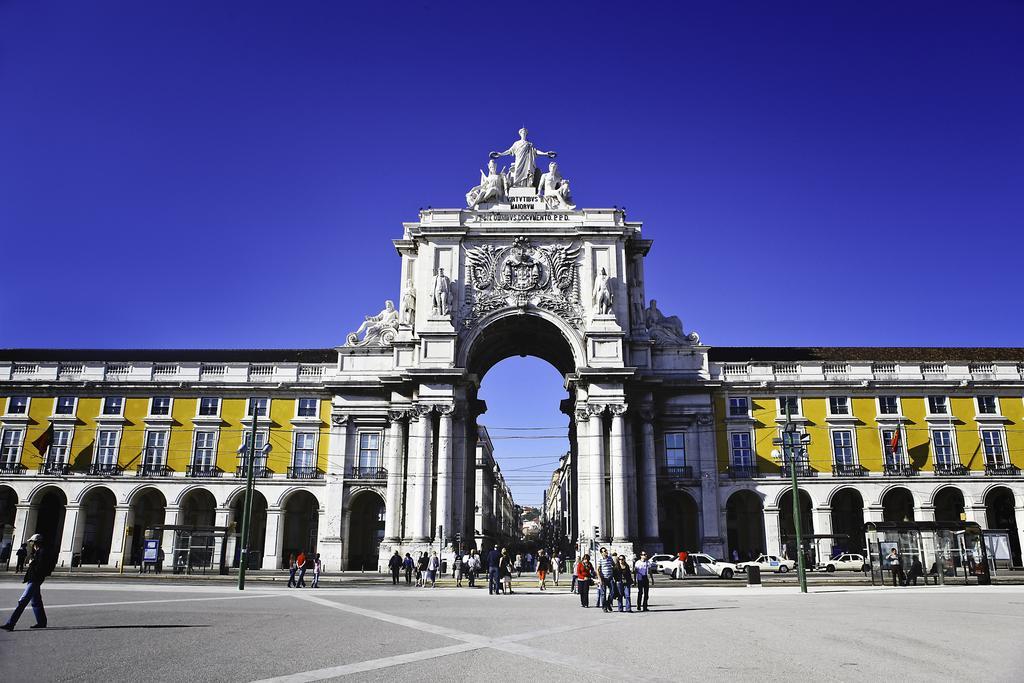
(209, 406)
(10, 447)
(64, 405)
(17, 405)
(60, 447)
(793, 404)
(160, 405)
(842, 449)
(838, 405)
(739, 406)
(105, 461)
(369, 449)
(260, 407)
(943, 451)
(307, 407)
(988, 405)
(204, 456)
(938, 405)
(675, 451)
(893, 459)
(742, 452)
(992, 440)
(113, 405)
(888, 405)
(304, 457)
(260, 462)
(154, 456)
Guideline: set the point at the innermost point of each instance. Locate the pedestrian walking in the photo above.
(605, 588)
(505, 568)
(896, 567)
(543, 567)
(643, 572)
(519, 565)
(433, 565)
(474, 568)
(40, 565)
(493, 577)
(421, 570)
(395, 566)
(20, 554)
(300, 562)
(318, 567)
(556, 567)
(457, 570)
(622, 574)
(292, 568)
(584, 576)
(407, 565)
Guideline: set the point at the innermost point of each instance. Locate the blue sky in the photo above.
(231, 174)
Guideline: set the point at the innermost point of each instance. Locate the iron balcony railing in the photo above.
(743, 471)
(899, 469)
(847, 469)
(153, 470)
(57, 468)
(105, 469)
(258, 471)
(305, 473)
(950, 468)
(202, 471)
(1002, 469)
(803, 469)
(369, 472)
(11, 468)
(677, 472)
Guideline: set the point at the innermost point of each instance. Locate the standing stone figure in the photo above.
(492, 188)
(442, 293)
(524, 169)
(555, 189)
(603, 298)
(636, 299)
(409, 304)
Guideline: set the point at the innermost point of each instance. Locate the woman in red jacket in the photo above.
(584, 577)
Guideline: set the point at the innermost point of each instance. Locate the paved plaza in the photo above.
(113, 631)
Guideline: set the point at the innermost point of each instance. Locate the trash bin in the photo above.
(753, 576)
(444, 566)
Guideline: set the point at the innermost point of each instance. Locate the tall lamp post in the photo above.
(250, 467)
(793, 443)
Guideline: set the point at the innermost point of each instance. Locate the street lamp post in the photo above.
(793, 443)
(250, 469)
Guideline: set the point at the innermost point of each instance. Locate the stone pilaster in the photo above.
(648, 479)
(396, 473)
(620, 506)
(444, 478)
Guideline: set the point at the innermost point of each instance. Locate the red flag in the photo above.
(894, 443)
(42, 443)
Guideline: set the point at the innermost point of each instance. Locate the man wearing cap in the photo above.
(40, 565)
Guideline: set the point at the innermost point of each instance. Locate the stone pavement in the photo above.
(101, 630)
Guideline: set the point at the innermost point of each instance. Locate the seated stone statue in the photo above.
(555, 189)
(492, 188)
(662, 328)
(378, 328)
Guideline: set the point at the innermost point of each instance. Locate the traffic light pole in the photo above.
(791, 451)
(247, 509)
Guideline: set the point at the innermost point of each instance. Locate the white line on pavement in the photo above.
(150, 602)
(373, 664)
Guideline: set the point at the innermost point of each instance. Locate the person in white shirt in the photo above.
(644, 571)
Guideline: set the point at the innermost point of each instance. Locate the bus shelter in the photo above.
(197, 549)
(934, 552)
(817, 548)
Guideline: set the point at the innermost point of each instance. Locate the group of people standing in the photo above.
(425, 567)
(299, 565)
(614, 577)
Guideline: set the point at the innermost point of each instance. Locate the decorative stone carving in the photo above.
(704, 419)
(636, 303)
(445, 409)
(420, 410)
(398, 415)
(603, 298)
(524, 169)
(596, 408)
(667, 329)
(442, 293)
(521, 274)
(377, 329)
(618, 408)
(582, 415)
(408, 317)
(493, 187)
(646, 413)
(339, 420)
(555, 189)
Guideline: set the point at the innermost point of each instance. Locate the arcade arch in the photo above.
(257, 527)
(897, 505)
(848, 519)
(49, 505)
(1000, 514)
(198, 507)
(301, 514)
(147, 509)
(95, 525)
(678, 522)
(744, 521)
(949, 504)
(365, 530)
(787, 529)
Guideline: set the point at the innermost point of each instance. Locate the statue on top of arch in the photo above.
(495, 184)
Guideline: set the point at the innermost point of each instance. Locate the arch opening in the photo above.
(1000, 513)
(257, 529)
(898, 505)
(787, 529)
(678, 522)
(365, 530)
(148, 509)
(8, 510)
(744, 516)
(301, 520)
(50, 506)
(848, 519)
(96, 525)
(949, 504)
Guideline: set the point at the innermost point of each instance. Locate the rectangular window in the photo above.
(161, 405)
(369, 449)
(205, 454)
(888, 405)
(792, 401)
(60, 447)
(992, 439)
(307, 407)
(113, 405)
(842, 446)
(64, 405)
(987, 405)
(742, 453)
(209, 406)
(261, 441)
(260, 407)
(17, 405)
(675, 453)
(156, 449)
(942, 445)
(938, 405)
(892, 457)
(106, 447)
(839, 405)
(739, 406)
(305, 455)
(10, 446)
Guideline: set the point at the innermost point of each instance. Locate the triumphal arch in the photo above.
(522, 270)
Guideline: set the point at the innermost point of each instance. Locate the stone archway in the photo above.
(198, 508)
(1000, 513)
(257, 528)
(50, 508)
(365, 530)
(848, 519)
(898, 505)
(8, 510)
(678, 521)
(744, 521)
(787, 529)
(148, 510)
(949, 504)
(94, 535)
(301, 513)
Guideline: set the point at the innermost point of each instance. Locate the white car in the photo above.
(768, 563)
(703, 565)
(848, 562)
(663, 560)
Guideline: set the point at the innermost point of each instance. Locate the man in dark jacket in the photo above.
(395, 565)
(493, 579)
(40, 565)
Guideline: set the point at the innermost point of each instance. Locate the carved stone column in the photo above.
(117, 536)
(649, 479)
(273, 544)
(772, 536)
(71, 538)
(617, 447)
(595, 447)
(822, 525)
(444, 479)
(417, 487)
(396, 473)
